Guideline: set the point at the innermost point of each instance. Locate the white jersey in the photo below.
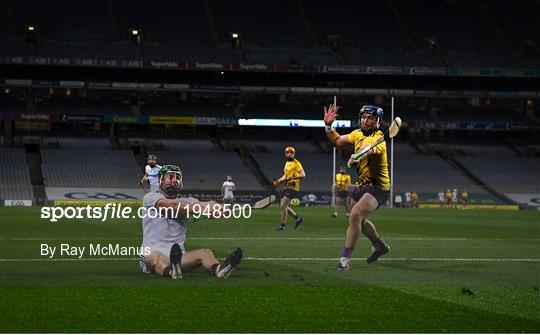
(408, 196)
(440, 196)
(152, 173)
(228, 188)
(162, 231)
(454, 196)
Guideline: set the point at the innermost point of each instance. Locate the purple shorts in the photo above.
(376, 191)
(342, 194)
(289, 193)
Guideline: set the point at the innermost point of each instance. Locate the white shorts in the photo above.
(164, 250)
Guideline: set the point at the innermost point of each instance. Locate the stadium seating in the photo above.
(278, 19)
(500, 168)
(89, 106)
(410, 173)
(11, 104)
(289, 55)
(65, 20)
(300, 32)
(208, 109)
(282, 111)
(187, 52)
(168, 22)
(76, 142)
(89, 167)
(447, 113)
(204, 168)
(15, 181)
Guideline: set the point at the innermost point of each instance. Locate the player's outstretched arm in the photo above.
(330, 115)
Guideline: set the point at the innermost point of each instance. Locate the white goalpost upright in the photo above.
(333, 167)
(392, 160)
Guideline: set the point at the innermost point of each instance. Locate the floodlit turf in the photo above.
(448, 271)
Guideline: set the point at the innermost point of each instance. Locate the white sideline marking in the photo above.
(271, 238)
(287, 259)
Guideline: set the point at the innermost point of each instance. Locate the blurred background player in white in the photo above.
(440, 198)
(227, 190)
(407, 199)
(164, 235)
(372, 189)
(292, 173)
(151, 172)
(454, 198)
(341, 190)
(399, 200)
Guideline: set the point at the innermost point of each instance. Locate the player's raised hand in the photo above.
(330, 114)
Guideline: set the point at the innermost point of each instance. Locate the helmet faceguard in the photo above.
(170, 189)
(373, 110)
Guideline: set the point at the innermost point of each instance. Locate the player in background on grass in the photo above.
(164, 235)
(448, 198)
(150, 174)
(408, 199)
(341, 191)
(464, 198)
(292, 173)
(227, 190)
(373, 186)
(440, 198)
(454, 198)
(415, 198)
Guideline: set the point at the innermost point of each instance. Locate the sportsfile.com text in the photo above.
(119, 211)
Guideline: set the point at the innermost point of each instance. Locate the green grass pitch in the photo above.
(448, 271)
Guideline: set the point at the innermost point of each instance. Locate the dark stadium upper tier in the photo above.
(443, 33)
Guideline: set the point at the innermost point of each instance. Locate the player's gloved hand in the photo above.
(353, 161)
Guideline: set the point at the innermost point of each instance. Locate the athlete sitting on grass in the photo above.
(165, 235)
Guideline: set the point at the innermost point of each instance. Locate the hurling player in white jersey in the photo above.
(151, 173)
(227, 190)
(164, 235)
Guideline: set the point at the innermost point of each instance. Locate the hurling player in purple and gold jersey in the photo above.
(372, 188)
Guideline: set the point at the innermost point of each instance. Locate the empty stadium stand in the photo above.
(203, 167)
(427, 173)
(89, 167)
(417, 33)
(15, 181)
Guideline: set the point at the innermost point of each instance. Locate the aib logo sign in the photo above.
(98, 196)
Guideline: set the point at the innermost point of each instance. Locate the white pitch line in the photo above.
(269, 238)
(287, 259)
